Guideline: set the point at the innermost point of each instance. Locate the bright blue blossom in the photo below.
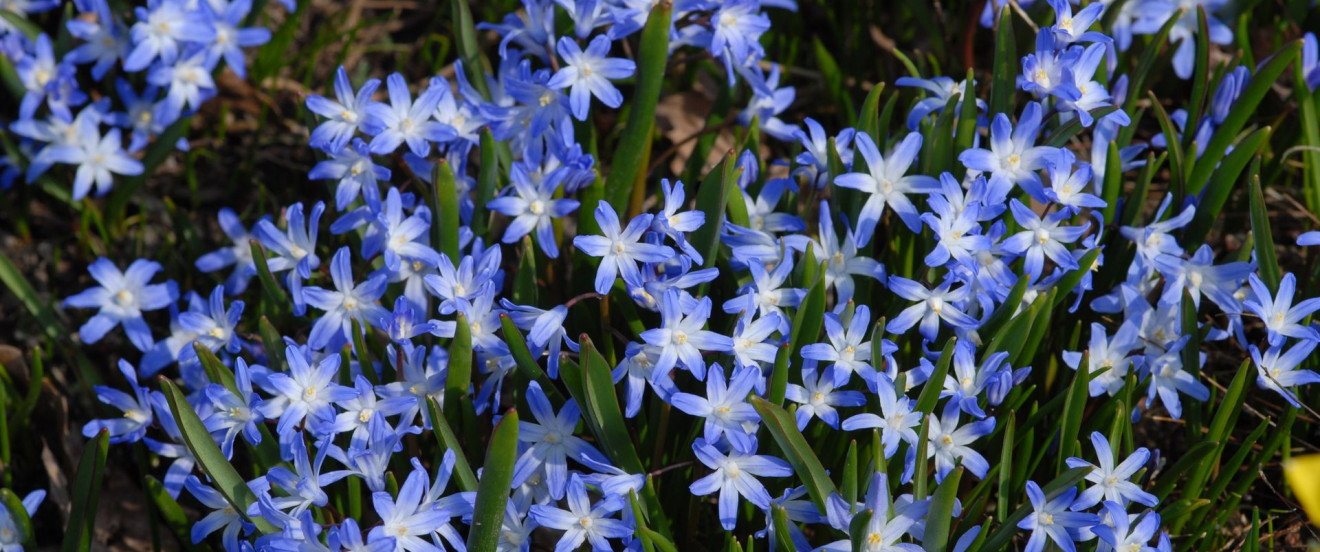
(583, 521)
(587, 73)
(1110, 482)
(620, 249)
(735, 475)
(1050, 519)
(122, 297)
(136, 408)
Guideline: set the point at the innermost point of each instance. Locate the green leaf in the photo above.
(1003, 86)
(601, 404)
(1261, 81)
(170, 511)
(493, 489)
(28, 28)
(445, 223)
(1005, 461)
(466, 480)
(209, 458)
(1073, 409)
(1060, 137)
(940, 520)
(1168, 478)
(779, 376)
(215, 370)
(19, 516)
(458, 380)
(712, 197)
(86, 493)
(832, 78)
(274, 293)
(488, 181)
(857, 535)
(809, 318)
(1149, 56)
(783, 539)
(930, 394)
(274, 344)
(628, 166)
(1260, 231)
(1215, 193)
(806, 465)
(469, 51)
(868, 121)
(527, 365)
(1113, 183)
(1177, 160)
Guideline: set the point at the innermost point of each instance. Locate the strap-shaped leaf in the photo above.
(1003, 87)
(171, 512)
(628, 166)
(19, 515)
(467, 481)
(1215, 193)
(468, 48)
(940, 519)
(806, 465)
(1260, 232)
(445, 221)
(231, 485)
(712, 197)
(527, 365)
(493, 489)
(1245, 106)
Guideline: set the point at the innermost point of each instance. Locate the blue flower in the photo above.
(400, 238)
(842, 261)
(188, 81)
(234, 413)
(735, 474)
(303, 486)
(1013, 156)
(725, 406)
(1072, 27)
(1281, 317)
(676, 223)
(160, 28)
(1119, 534)
(531, 203)
(587, 73)
(122, 297)
(1199, 275)
(620, 248)
(357, 413)
(736, 29)
(1310, 61)
(887, 184)
(1153, 14)
(238, 255)
(968, 380)
(98, 158)
(932, 307)
(222, 515)
(818, 397)
(1168, 377)
(949, 444)
(1050, 519)
(225, 17)
(583, 521)
(752, 345)
(1107, 358)
(296, 248)
(897, 420)
(410, 516)
(1111, 482)
(681, 338)
(768, 101)
(943, 89)
(814, 159)
(848, 350)
(304, 390)
(550, 442)
(404, 120)
(215, 325)
(356, 172)
(1279, 371)
(1069, 181)
(136, 408)
(1042, 238)
(345, 114)
(347, 303)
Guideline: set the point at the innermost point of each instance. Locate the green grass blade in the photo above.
(628, 166)
(445, 221)
(19, 516)
(198, 440)
(1003, 87)
(469, 51)
(940, 519)
(170, 512)
(806, 465)
(466, 480)
(1245, 106)
(1215, 193)
(493, 489)
(86, 493)
(1260, 231)
(712, 198)
(527, 365)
